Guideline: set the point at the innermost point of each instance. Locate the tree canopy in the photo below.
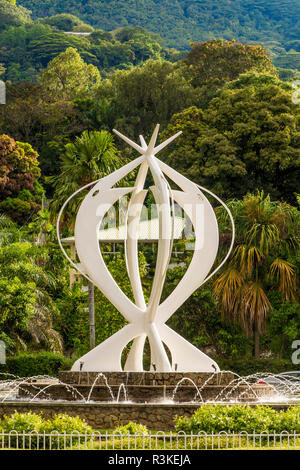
(247, 139)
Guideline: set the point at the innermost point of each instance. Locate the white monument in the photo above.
(146, 319)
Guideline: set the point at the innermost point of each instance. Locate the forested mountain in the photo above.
(181, 21)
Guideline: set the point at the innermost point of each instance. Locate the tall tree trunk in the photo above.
(256, 343)
(92, 315)
(283, 338)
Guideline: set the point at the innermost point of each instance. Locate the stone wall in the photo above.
(145, 378)
(107, 416)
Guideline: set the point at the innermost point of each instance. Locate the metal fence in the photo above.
(139, 441)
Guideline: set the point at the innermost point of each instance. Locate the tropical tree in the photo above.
(93, 155)
(27, 307)
(267, 234)
(19, 173)
(68, 76)
(247, 140)
(147, 94)
(222, 60)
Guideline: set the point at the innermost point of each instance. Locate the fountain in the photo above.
(98, 388)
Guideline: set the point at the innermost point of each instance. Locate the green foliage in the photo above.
(31, 114)
(147, 94)
(16, 305)
(62, 423)
(12, 15)
(28, 48)
(183, 21)
(220, 61)
(21, 422)
(284, 327)
(214, 419)
(248, 365)
(62, 21)
(43, 363)
(29, 283)
(30, 422)
(291, 60)
(247, 139)
(132, 428)
(68, 76)
(18, 173)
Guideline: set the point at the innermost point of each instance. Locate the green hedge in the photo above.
(248, 366)
(44, 363)
(28, 422)
(214, 419)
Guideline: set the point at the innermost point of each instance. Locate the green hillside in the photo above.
(181, 21)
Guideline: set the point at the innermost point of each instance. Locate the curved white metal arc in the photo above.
(134, 360)
(204, 221)
(187, 357)
(161, 195)
(233, 232)
(58, 226)
(107, 355)
(128, 168)
(132, 220)
(198, 208)
(90, 215)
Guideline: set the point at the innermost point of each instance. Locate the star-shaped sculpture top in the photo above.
(149, 149)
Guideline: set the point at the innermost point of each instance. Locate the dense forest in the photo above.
(181, 21)
(33, 32)
(241, 136)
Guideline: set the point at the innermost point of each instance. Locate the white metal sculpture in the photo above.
(146, 319)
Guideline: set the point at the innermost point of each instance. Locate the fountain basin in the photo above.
(146, 393)
(146, 387)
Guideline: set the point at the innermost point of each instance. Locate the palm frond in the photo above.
(285, 274)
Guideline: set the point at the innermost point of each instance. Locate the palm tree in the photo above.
(93, 155)
(267, 233)
(26, 262)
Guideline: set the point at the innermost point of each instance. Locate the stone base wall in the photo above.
(108, 416)
(145, 378)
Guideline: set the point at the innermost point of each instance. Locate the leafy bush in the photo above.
(132, 428)
(214, 419)
(27, 365)
(250, 366)
(22, 423)
(30, 422)
(62, 423)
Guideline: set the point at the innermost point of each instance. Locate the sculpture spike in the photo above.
(144, 145)
(152, 142)
(165, 143)
(130, 142)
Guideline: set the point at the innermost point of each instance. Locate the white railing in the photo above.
(156, 441)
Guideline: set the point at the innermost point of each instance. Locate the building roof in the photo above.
(148, 231)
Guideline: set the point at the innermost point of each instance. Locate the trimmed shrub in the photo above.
(132, 428)
(237, 418)
(33, 423)
(44, 363)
